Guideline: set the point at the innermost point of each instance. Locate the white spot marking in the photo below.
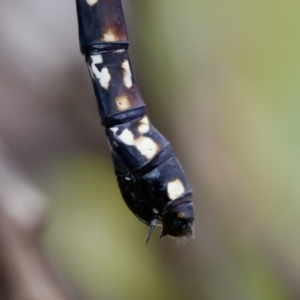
(122, 103)
(120, 50)
(104, 78)
(127, 77)
(96, 59)
(175, 189)
(114, 129)
(127, 137)
(103, 75)
(144, 126)
(91, 2)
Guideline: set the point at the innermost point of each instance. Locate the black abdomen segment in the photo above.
(118, 97)
(101, 24)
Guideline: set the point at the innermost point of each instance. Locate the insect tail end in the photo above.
(152, 226)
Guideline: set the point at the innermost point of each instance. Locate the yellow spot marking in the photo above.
(122, 103)
(181, 215)
(146, 146)
(127, 77)
(91, 2)
(175, 189)
(110, 36)
(144, 126)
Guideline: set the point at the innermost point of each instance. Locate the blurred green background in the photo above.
(221, 81)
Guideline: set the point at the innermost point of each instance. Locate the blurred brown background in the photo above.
(221, 81)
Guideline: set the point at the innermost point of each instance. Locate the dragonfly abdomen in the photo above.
(149, 175)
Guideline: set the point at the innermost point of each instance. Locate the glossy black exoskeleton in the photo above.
(149, 175)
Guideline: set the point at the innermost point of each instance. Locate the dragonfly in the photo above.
(150, 177)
